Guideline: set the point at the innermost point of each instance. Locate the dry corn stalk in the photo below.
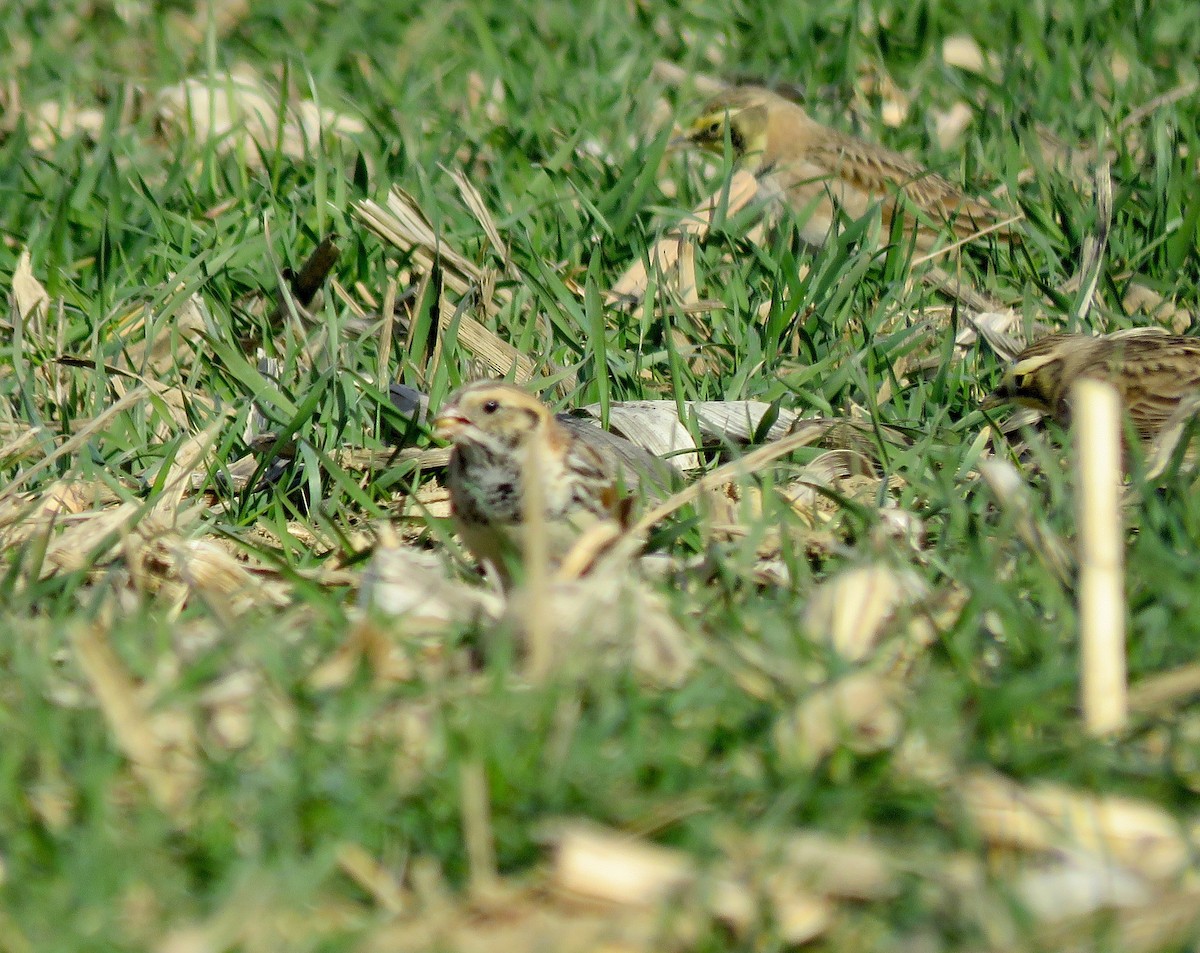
(1096, 412)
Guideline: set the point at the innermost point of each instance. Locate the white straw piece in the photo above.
(1096, 411)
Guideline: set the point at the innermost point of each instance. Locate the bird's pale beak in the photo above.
(679, 142)
(447, 425)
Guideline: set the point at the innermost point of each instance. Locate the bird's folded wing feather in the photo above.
(637, 467)
(883, 173)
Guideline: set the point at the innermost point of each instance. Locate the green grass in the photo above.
(129, 221)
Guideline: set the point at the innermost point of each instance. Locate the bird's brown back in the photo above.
(1152, 372)
(873, 168)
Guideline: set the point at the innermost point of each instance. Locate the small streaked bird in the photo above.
(587, 474)
(822, 172)
(1153, 372)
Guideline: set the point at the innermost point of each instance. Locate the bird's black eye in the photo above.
(714, 128)
(491, 406)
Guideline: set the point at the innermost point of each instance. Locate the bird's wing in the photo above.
(622, 459)
(884, 173)
(1158, 375)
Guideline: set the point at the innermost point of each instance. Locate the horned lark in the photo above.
(822, 172)
(1152, 371)
(587, 474)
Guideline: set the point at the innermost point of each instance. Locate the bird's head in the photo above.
(1035, 379)
(739, 116)
(491, 414)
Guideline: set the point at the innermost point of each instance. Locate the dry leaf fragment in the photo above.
(858, 711)
(163, 346)
(159, 745)
(230, 703)
(205, 568)
(413, 584)
(963, 52)
(490, 98)
(1078, 884)
(402, 223)
(1141, 297)
(524, 921)
(1158, 694)
(1136, 834)
(893, 101)
(602, 866)
(478, 208)
(664, 255)
(238, 111)
(53, 800)
(32, 513)
(835, 867)
(852, 610)
(1166, 921)
(1014, 497)
(608, 617)
(373, 877)
(51, 122)
(655, 424)
(950, 124)
(30, 298)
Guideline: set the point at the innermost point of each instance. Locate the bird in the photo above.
(1153, 372)
(497, 431)
(822, 172)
